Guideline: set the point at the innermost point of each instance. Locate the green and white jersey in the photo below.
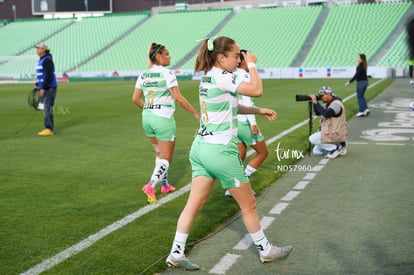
(245, 100)
(155, 84)
(218, 104)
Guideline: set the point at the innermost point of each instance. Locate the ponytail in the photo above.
(210, 49)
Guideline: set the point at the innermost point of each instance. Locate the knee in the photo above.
(249, 207)
(263, 153)
(314, 138)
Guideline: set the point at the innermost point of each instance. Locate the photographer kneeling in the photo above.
(333, 131)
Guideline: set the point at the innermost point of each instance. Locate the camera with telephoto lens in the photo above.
(307, 97)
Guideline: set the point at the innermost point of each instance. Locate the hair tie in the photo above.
(210, 43)
(156, 51)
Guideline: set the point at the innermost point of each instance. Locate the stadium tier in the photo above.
(275, 35)
(397, 55)
(353, 29)
(180, 32)
(74, 44)
(319, 35)
(18, 37)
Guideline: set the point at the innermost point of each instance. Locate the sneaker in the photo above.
(343, 152)
(360, 114)
(167, 189)
(46, 133)
(150, 191)
(366, 112)
(340, 150)
(277, 253)
(181, 262)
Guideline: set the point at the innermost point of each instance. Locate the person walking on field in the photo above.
(248, 132)
(160, 90)
(214, 153)
(361, 86)
(47, 84)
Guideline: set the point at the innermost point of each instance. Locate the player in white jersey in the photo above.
(214, 153)
(248, 132)
(159, 88)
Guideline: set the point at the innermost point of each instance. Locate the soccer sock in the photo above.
(178, 247)
(164, 180)
(249, 171)
(161, 168)
(154, 171)
(261, 242)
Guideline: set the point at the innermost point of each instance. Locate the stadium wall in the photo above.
(24, 7)
(265, 73)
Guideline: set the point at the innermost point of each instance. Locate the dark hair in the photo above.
(153, 51)
(410, 37)
(364, 61)
(241, 55)
(210, 49)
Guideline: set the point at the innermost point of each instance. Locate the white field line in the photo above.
(225, 264)
(75, 249)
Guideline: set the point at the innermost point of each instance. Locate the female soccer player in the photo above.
(214, 153)
(160, 89)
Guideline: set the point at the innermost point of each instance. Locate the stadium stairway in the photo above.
(313, 34)
(393, 37)
(350, 29)
(122, 36)
(29, 48)
(194, 51)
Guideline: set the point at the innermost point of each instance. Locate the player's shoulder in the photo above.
(163, 70)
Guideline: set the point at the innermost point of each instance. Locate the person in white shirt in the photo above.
(156, 92)
(214, 153)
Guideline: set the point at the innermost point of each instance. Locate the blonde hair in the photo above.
(209, 50)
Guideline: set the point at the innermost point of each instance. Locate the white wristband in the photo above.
(251, 65)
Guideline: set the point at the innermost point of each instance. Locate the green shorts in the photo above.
(217, 161)
(244, 134)
(159, 127)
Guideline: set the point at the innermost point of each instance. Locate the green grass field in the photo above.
(57, 191)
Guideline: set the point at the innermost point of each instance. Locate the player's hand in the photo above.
(268, 113)
(42, 92)
(197, 115)
(255, 129)
(249, 57)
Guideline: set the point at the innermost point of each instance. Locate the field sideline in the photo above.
(57, 191)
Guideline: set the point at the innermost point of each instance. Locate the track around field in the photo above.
(350, 215)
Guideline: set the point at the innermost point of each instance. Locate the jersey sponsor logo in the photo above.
(152, 107)
(202, 91)
(203, 132)
(152, 74)
(206, 79)
(150, 84)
